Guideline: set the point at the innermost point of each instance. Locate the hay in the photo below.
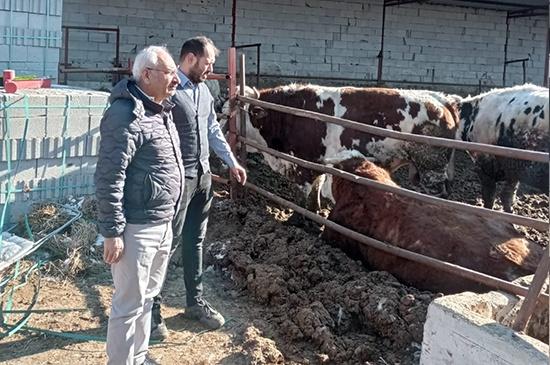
(89, 208)
(72, 252)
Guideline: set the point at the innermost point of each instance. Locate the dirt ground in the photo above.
(288, 297)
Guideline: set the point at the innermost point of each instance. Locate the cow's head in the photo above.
(223, 118)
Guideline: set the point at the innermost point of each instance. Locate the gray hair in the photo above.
(147, 57)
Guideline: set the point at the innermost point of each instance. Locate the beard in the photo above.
(196, 76)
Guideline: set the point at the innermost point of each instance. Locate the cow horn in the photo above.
(256, 92)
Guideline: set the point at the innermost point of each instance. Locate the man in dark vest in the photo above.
(198, 129)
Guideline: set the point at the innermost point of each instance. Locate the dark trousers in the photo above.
(189, 229)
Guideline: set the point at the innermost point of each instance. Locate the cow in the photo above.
(411, 111)
(486, 245)
(510, 117)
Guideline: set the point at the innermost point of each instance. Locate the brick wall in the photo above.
(315, 38)
(30, 36)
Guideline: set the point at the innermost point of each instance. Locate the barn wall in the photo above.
(322, 38)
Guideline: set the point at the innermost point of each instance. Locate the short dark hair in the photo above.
(197, 46)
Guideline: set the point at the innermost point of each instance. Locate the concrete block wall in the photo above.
(49, 140)
(30, 36)
(431, 43)
(321, 38)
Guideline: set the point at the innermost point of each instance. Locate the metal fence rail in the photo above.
(479, 211)
(434, 141)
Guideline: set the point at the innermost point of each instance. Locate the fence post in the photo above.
(232, 119)
(242, 119)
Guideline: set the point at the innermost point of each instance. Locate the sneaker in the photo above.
(159, 331)
(205, 314)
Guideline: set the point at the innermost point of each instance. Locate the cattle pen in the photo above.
(532, 294)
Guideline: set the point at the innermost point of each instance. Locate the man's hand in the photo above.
(239, 173)
(113, 247)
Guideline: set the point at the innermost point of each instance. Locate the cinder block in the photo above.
(92, 145)
(18, 172)
(54, 167)
(75, 146)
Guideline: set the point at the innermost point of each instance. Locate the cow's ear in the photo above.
(258, 112)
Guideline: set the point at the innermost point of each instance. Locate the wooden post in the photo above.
(528, 306)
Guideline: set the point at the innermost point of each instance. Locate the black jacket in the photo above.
(139, 174)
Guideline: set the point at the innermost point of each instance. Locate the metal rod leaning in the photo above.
(434, 141)
(484, 279)
(479, 211)
(528, 306)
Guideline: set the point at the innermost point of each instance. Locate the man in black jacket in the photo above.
(139, 187)
(195, 120)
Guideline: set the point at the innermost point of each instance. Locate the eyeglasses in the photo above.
(169, 73)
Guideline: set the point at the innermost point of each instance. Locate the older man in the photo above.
(199, 131)
(139, 187)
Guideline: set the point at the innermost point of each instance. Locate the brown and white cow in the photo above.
(483, 244)
(510, 117)
(411, 111)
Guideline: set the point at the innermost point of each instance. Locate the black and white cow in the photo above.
(510, 117)
(411, 111)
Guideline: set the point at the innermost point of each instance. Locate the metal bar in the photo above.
(518, 60)
(479, 211)
(381, 54)
(233, 22)
(248, 45)
(523, 67)
(363, 81)
(528, 306)
(547, 58)
(212, 76)
(506, 49)
(434, 141)
(500, 3)
(258, 65)
(101, 29)
(463, 272)
(96, 70)
(232, 119)
(242, 114)
(66, 58)
(117, 45)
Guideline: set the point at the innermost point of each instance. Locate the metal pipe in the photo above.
(258, 51)
(463, 272)
(233, 22)
(434, 141)
(546, 58)
(506, 49)
(11, 34)
(232, 119)
(381, 54)
(66, 54)
(258, 66)
(213, 76)
(117, 50)
(479, 211)
(248, 45)
(362, 81)
(101, 29)
(528, 306)
(47, 40)
(242, 114)
(123, 70)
